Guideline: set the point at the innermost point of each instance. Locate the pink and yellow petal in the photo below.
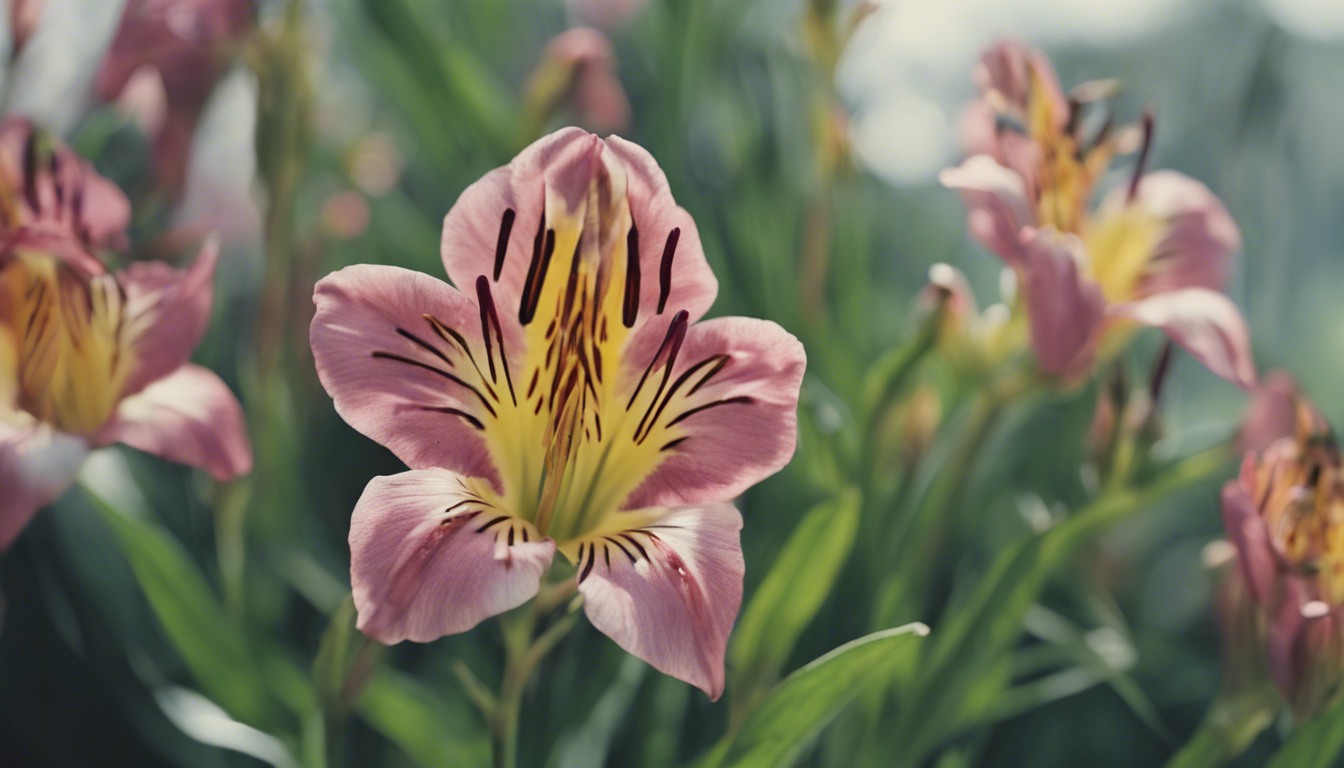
(400, 354)
(189, 417)
(37, 464)
(1206, 323)
(667, 588)
(430, 556)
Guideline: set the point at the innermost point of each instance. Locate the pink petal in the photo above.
(668, 591)
(189, 417)
(1200, 237)
(738, 427)
(1273, 413)
(1247, 531)
(668, 242)
(1064, 308)
(37, 464)
(1206, 323)
(428, 558)
(564, 164)
(168, 310)
(60, 194)
(1007, 68)
(411, 391)
(997, 203)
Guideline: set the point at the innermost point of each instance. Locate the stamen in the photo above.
(630, 308)
(502, 246)
(1144, 149)
(665, 270)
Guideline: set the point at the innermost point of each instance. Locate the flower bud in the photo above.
(1285, 514)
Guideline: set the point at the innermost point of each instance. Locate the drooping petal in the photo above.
(1064, 307)
(189, 417)
(168, 311)
(1198, 236)
(668, 589)
(1247, 531)
(429, 557)
(37, 464)
(1206, 323)
(727, 417)
(385, 350)
(996, 202)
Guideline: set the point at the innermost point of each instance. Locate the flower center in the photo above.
(66, 362)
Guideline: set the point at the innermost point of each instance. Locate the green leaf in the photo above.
(805, 702)
(192, 618)
(1315, 745)
(429, 729)
(791, 594)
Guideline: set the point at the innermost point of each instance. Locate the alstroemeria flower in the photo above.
(186, 44)
(1285, 515)
(1155, 252)
(90, 357)
(563, 397)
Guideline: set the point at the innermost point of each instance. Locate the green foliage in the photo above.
(794, 589)
(796, 709)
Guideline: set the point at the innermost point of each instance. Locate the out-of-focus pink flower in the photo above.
(605, 14)
(50, 193)
(1277, 410)
(188, 43)
(91, 360)
(579, 67)
(23, 18)
(1285, 516)
(1155, 252)
(561, 398)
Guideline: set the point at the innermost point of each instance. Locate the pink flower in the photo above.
(89, 357)
(186, 42)
(1283, 514)
(1154, 253)
(561, 398)
(50, 193)
(579, 68)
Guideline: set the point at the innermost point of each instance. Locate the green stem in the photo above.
(522, 656)
(1230, 726)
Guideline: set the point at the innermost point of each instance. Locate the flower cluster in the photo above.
(1154, 252)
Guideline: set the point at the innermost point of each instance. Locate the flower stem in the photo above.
(522, 656)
